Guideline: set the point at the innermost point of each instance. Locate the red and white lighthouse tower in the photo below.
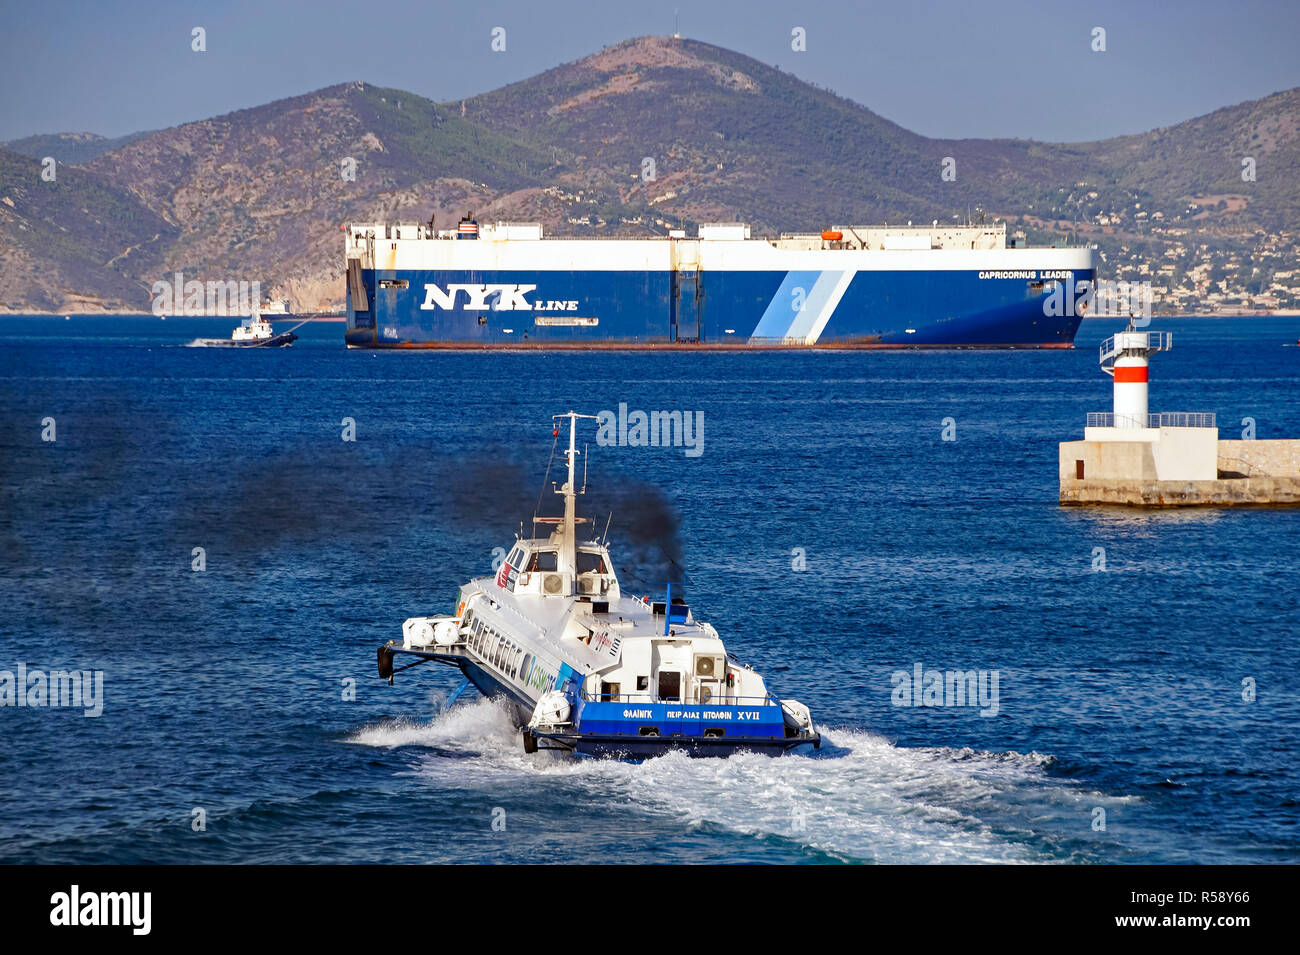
(1131, 456)
(1126, 357)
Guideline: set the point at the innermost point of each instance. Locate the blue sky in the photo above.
(949, 68)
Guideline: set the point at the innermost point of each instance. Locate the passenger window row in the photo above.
(495, 649)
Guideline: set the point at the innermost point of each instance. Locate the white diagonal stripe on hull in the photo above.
(836, 292)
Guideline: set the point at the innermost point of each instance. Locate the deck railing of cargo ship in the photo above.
(1164, 419)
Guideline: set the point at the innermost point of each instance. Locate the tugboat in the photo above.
(588, 669)
(253, 332)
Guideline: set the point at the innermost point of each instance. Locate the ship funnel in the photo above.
(467, 228)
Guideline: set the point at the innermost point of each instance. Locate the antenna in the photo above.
(586, 450)
(565, 533)
(555, 439)
(604, 538)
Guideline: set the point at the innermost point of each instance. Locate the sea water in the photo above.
(200, 534)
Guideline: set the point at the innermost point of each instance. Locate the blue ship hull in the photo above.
(717, 309)
(637, 748)
(633, 730)
(624, 730)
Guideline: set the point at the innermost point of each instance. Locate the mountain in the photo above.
(72, 148)
(260, 194)
(735, 139)
(78, 243)
(1204, 156)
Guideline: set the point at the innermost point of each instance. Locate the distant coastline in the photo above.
(758, 144)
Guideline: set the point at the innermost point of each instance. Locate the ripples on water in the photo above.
(1119, 691)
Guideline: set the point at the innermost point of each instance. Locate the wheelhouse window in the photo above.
(591, 563)
(544, 560)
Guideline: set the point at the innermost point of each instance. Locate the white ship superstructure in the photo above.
(588, 668)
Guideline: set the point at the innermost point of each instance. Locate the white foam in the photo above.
(481, 725)
(863, 798)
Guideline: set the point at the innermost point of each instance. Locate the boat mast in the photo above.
(567, 559)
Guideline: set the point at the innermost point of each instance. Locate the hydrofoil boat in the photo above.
(587, 668)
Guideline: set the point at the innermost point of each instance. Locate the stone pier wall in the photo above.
(1221, 493)
(1250, 472)
(1275, 458)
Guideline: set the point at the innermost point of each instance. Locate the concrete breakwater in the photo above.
(1170, 459)
(1173, 469)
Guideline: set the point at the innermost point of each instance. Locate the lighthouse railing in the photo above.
(1155, 341)
(1183, 419)
(1164, 419)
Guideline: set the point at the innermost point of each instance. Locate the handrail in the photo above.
(1155, 341)
(1250, 468)
(720, 700)
(1162, 419)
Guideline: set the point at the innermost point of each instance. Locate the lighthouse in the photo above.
(1132, 457)
(1126, 358)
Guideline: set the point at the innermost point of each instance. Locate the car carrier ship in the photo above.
(505, 285)
(585, 666)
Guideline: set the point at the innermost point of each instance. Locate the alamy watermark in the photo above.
(127, 909)
(74, 689)
(1101, 299)
(195, 298)
(651, 429)
(1123, 300)
(922, 687)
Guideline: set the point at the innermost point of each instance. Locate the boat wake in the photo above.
(860, 799)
